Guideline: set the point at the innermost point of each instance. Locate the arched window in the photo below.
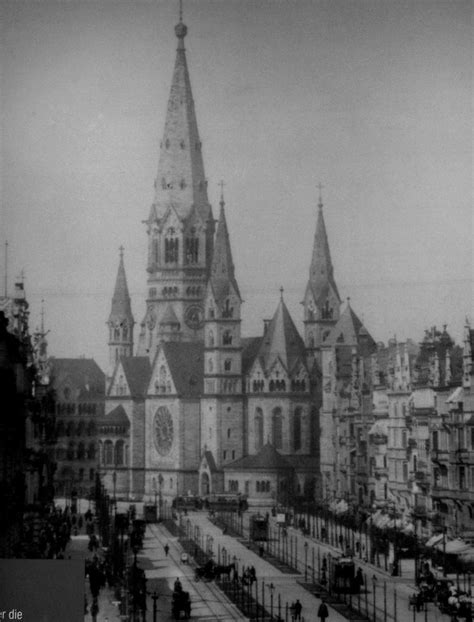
(227, 338)
(297, 429)
(227, 365)
(108, 453)
(258, 422)
(211, 339)
(311, 340)
(272, 386)
(71, 451)
(192, 248)
(119, 461)
(81, 451)
(171, 246)
(124, 330)
(91, 451)
(155, 251)
(277, 428)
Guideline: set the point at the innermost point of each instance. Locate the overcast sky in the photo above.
(370, 98)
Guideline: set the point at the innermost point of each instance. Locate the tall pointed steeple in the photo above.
(180, 226)
(180, 179)
(121, 320)
(222, 268)
(321, 301)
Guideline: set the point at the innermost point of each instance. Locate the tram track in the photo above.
(208, 602)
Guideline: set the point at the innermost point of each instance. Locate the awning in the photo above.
(468, 555)
(456, 396)
(453, 546)
(379, 428)
(434, 540)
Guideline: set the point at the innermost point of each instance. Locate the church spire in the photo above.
(121, 320)
(180, 180)
(321, 273)
(322, 299)
(222, 266)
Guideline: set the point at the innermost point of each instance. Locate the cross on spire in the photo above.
(221, 184)
(180, 11)
(281, 292)
(121, 249)
(320, 187)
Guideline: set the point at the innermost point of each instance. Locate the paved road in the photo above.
(208, 603)
(286, 586)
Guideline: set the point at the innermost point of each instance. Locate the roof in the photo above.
(222, 266)
(180, 180)
(137, 370)
(84, 375)
(349, 331)
(186, 363)
(210, 461)
(250, 346)
(379, 428)
(321, 277)
(169, 316)
(116, 417)
(121, 306)
(268, 459)
(281, 340)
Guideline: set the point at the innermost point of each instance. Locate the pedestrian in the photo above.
(323, 612)
(297, 609)
(167, 549)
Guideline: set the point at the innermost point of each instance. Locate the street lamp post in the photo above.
(271, 587)
(305, 561)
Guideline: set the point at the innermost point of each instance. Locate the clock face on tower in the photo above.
(194, 317)
(163, 430)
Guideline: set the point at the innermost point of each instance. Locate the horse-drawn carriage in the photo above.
(211, 571)
(180, 603)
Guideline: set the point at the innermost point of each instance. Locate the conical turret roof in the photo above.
(222, 268)
(281, 340)
(121, 305)
(180, 179)
(321, 272)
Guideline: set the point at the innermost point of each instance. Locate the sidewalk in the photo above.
(108, 611)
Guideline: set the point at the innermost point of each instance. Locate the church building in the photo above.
(195, 407)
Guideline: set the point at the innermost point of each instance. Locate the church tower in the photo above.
(321, 301)
(222, 404)
(180, 225)
(121, 320)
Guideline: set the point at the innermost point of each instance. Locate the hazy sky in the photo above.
(371, 98)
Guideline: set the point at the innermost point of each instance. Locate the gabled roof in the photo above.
(137, 370)
(210, 461)
(121, 306)
(222, 278)
(116, 417)
(349, 331)
(186, 364)
(281, 339)
(268, 458)
(169, 316)
(180, 180)
(83, 374)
